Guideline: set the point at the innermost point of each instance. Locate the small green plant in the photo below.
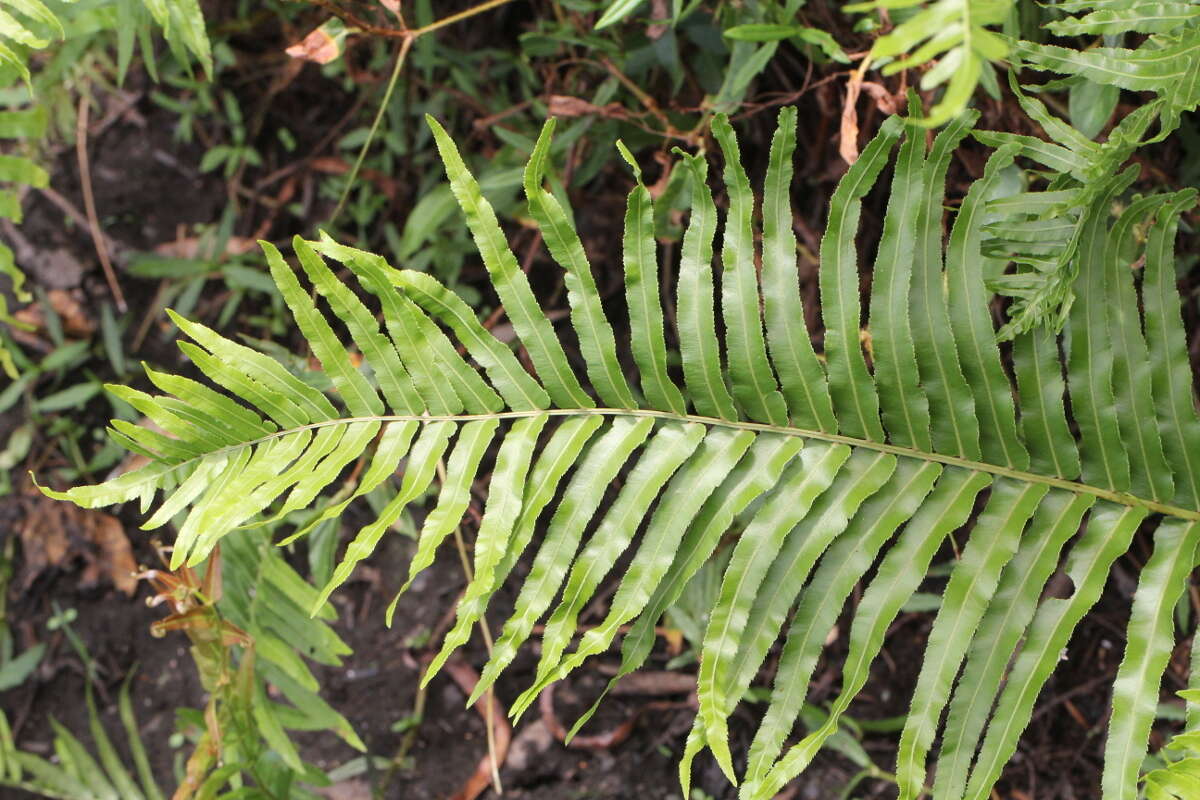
(29, 26)
(247, 622)
(76, 774)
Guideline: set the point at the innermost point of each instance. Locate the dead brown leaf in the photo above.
(54, 534)
(885, 101)
(332, 165)
(493, 714)
(658, 11)
(351, 789)
(848, 145)
(318, 47)
(190, 247)
(76, 322)
(561, 105)
(655, 682)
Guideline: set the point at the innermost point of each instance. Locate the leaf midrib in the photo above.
(1121, 498)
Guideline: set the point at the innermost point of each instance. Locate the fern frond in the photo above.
(1042, 231)
(824, 465)
(955, 32)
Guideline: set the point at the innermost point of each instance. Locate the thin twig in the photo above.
(89, 203)
(405, 46)
(487, 642)
(459, 17)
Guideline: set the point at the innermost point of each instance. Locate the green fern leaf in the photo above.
(885, 449)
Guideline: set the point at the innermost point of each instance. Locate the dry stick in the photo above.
(89, 203)
(487, 642)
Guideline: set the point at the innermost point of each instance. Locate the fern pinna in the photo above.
(823, 463)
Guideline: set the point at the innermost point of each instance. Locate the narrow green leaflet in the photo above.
(530, 323)
(993, 541)
(597, 344)
(800, 373)
(455, 495)
(854, 398)
(392, 447)
(361, 399)
(698, 345)
(416, 340)
(1172, 381)
(685, 498)
(953, 424)
(1121, 16)
(599, 467)
(971, 322)
(642, 295)
(1089, 370)
(905, 407)
(757, 472)
(491, 543)
(394, 381)
(520, 391)
(1147, 650)
(1109, 530)
(995, 641)
(899, 575)
(1167, 66)
(1036, 361)
(558, 455)
(750, 373)
(756, 549)
(426, 453)
(1150, 476)
(617, 11)
(670, 447)
(841, 567)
